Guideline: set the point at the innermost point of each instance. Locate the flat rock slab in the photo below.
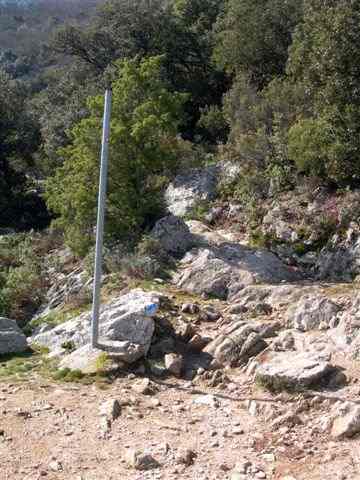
(220, 270)
(12, 339)
(288, 370)
(91, 360)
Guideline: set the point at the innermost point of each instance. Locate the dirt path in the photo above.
(53, 431)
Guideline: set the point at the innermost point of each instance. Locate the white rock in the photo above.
(174, 363)
(313, 312)
(110, 409)
(190, 188)
(348, 425)
(288, 370)
(126, 327)
(141, 461)
(228, 267)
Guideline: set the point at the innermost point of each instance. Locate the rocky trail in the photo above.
(243, 365)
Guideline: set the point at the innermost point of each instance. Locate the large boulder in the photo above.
(190, 188)
(290, 371)
(12, 339)
(229, 267)
(126, 327)
(173, 234)
(313, 312)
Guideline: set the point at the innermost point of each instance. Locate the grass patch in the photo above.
(56, 318)
(24, 366)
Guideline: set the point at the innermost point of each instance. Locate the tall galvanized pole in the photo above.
(100, 220)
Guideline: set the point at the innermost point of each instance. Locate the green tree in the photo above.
(253, 37)
(325, 61)
(143, 149)
(181, 32)
(19, 139)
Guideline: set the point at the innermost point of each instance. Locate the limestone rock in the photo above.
(198, 342)
(87, 358)
(191, 308)
(144, 387)
(186, 457)
(141, 461)
(313, 312)
(191, 188)
(341, 260)
(236, 344)
(126, 328)
(173, 234)
(174, 363)
(346, 336)
(12, 339)
(348, 425)
(110, 409)
(286, 370)
(218, 270)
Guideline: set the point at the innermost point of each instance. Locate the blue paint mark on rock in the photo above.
(151, 309)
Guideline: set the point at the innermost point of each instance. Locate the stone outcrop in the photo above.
(340, 259)
(239, 342)
(12, 339)
(313, 312)
(229, 267)
(286, 370)
(174, 235)
(126, 328)
(188, 189)
(348, 424)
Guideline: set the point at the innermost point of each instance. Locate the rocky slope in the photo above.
(244, 365)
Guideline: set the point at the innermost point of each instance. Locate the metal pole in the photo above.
(100, 220)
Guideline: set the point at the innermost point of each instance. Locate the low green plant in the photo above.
(69, 346)
(199, 211)
(23, 366)
(101, 363)
(68, 375)
(56, 317)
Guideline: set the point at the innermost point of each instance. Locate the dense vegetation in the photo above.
(272, 85)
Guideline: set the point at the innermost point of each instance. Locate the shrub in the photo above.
(143, 150)
(22, 281)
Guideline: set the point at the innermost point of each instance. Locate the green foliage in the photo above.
(253, 37)
(181, 31)
(324, 59)
(69, 346)
(22, 367)
(199, 211)
(21, 280)
(143, 149)
(56, 317)
(68, 375)
(18, 141)
(313, 146)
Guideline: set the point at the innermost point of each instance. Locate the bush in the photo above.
(21, 279)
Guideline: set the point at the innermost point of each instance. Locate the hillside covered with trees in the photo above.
(229, 331)
(272, 86)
